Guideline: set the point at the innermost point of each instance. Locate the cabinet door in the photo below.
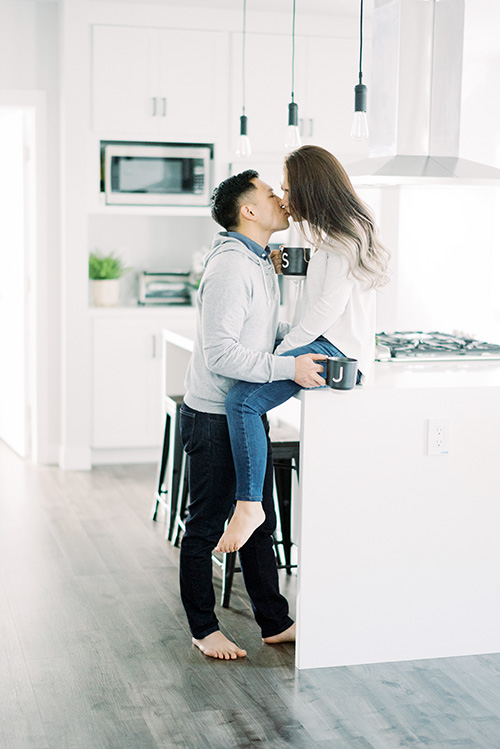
(125, 79)
(127, 399)
(332, 73)
(194, 84)
(268, 89)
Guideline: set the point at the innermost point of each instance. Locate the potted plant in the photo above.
(105, 272)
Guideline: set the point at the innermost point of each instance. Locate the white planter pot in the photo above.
(105, 293)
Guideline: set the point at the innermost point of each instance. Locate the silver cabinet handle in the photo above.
(311, 126)
(154, 106)
(301, 126)
(164, 111)
(154, 347)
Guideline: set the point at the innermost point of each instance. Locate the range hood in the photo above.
(415, 97)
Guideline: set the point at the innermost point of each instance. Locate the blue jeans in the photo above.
(245, 404)
(212, 486)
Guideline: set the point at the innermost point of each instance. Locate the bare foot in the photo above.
(287, 636)
(246, 518)
(216, 645)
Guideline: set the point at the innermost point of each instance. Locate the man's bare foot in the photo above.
(287, 636)
(216, 645)
(246, 518)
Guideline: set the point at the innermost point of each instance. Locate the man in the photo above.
(237, 327)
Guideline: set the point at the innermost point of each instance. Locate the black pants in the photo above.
(212, 487)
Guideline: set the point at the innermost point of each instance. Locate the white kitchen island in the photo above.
(399, 551)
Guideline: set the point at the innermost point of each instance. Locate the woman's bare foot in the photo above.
(287, 636)
(246, 518)
(216, 645)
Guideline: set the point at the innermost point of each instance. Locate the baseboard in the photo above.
(125, 455)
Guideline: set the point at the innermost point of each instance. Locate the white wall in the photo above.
(480, 123)
(29, 60)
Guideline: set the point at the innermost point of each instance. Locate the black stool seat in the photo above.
(286, 450)
(169, 474)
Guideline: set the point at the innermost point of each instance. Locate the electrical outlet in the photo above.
(438, 437)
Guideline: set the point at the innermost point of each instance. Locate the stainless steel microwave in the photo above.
(157, 174)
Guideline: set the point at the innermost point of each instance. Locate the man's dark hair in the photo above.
(227, 198)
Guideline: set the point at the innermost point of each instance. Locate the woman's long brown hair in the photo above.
(321, 195)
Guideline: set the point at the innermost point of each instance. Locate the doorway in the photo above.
(22, 248)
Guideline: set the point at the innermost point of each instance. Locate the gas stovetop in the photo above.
(418, 346)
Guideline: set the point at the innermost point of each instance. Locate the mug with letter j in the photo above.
(341, 372)
(294, 261)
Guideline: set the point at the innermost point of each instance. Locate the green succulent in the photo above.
(105, 266)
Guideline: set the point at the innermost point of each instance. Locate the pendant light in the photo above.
(359, 129)
(244, 147)
(292, 140)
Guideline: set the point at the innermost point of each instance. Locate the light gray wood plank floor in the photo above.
(95, 651)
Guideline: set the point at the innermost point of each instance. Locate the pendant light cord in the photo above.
(243, 76)
(293, 51)
(361, 44)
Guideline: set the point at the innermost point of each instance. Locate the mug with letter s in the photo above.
(341, 372)
(294, 261)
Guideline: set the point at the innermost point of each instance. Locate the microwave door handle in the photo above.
(154, 106)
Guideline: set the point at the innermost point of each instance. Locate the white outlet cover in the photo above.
(438, 437)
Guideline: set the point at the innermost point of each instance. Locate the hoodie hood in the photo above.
(415, 97)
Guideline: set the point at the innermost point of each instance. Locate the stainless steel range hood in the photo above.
(415, 96)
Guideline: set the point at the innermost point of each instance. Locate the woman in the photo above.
(336, 316)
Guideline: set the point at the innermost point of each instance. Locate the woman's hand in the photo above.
(276, 258)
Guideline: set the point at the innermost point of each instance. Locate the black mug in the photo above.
(294, 261)
(341, 372)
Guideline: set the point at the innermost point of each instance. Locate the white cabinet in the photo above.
(127, 392)
(126, 382)
(125, 78)
(162, 83)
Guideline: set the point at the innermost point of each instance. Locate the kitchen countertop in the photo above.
(436, 374)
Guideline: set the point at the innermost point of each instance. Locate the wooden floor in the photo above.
(95, 652)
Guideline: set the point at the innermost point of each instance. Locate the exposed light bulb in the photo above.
(244, 147)
(359, 129)
(293, 140)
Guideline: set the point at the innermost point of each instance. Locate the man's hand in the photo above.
(306, 370)
(276, 258)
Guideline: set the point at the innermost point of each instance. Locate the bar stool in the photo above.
(286, 451)
(285, 460)
(169, 474)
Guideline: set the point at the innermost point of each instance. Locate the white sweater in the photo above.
(336, 306)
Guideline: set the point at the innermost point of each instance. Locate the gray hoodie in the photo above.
(237, 309)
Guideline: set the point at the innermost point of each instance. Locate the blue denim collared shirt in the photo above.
(260, 251)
